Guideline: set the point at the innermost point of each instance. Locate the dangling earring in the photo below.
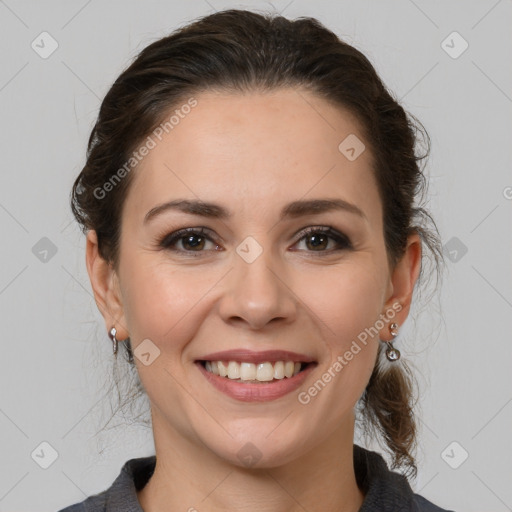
(115, 344)
(393, 354)
(112, 335)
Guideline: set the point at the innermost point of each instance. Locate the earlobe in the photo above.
(403, 279)
(103, 281)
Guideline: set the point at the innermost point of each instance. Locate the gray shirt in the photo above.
(384, 490)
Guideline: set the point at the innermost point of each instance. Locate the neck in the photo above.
(189, 476)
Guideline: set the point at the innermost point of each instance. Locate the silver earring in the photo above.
(392, 353)
(112, 335)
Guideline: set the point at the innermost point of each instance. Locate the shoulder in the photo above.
(423, 505)
(96, 503)
(122, 494)
(386, 490)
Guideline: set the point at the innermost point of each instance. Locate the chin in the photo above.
(259, 451)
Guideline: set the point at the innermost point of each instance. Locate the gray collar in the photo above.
(385, 490)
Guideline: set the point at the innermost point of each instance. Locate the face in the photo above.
(254, 279)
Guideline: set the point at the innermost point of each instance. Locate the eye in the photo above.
(193, 240)
(318, 239)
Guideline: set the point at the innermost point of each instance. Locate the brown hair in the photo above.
(239, 50)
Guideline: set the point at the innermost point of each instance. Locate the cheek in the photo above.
(346, 300)
(347, 304)
(161, 301)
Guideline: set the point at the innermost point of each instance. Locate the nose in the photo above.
(256, 294)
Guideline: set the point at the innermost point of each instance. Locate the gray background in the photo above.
(56, 356)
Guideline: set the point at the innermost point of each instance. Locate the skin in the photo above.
(253, 153)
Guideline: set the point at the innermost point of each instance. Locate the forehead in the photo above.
(254, 149)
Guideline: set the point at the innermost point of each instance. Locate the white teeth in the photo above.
(279, 370)
(223, 370)
(289, 366)
(263, 372)
(233, 370)
(248, 371)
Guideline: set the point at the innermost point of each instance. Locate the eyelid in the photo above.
(167, 241)
(329, 231)
(175, 236)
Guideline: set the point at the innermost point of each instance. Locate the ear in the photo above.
(402, 283)
(104, 283)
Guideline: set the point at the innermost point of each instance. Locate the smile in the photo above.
(262, 372)
(250, 382)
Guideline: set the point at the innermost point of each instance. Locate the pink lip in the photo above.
(249, 356)
(257, 392)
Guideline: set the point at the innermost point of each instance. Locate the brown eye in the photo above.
(192, 240)
(195, 240)
(317, 240)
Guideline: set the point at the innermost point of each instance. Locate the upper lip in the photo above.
(249, 356)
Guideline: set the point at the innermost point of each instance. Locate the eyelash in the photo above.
(342, 240)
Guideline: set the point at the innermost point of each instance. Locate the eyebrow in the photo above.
(292, 210)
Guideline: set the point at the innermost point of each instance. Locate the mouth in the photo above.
(249, 376)
(253, 373)
(239, 382)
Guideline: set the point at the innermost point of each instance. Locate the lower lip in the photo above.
(256, 392)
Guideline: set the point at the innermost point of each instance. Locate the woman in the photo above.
(253, 246)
